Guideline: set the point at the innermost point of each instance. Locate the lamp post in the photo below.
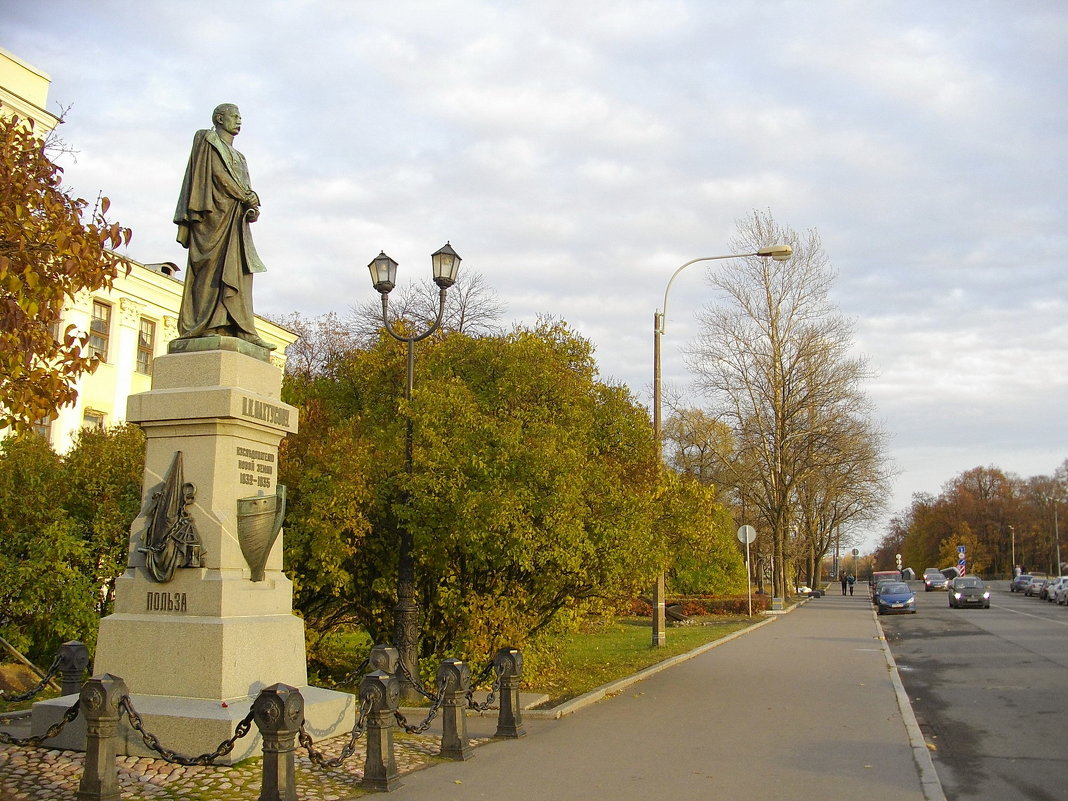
(777, 252)
(446, 264)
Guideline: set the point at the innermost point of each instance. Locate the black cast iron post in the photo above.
(380, 690)
(384, 658)
(99, 704)
(454, 677)
(278, 711)
(508, 662)
(73, 660)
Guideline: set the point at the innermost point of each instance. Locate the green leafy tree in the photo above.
(102, 494)
(533, 491)
(64, 522)
(45, 595)
(51, 248)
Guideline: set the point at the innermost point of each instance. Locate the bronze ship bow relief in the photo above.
(259, 520)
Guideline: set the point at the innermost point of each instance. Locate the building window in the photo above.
(146, 343)
(43, 429)
(92, 419)
(99, 330)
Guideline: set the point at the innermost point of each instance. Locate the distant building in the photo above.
(129, 325)
(24, 92)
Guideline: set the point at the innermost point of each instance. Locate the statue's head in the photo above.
(228, 117)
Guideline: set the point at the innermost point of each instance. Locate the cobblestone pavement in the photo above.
(29, 774)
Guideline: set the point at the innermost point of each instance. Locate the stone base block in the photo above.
(192, 727)
(202, 657)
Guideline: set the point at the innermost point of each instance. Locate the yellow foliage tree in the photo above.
(976, 558)
(51, 248)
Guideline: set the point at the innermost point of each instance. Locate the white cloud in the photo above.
(577, 153)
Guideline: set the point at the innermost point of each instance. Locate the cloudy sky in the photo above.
(575, 153)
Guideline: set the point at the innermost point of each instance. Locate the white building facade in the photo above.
(129, 326)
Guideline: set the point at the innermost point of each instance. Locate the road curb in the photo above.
(929, 781)
(605, 690)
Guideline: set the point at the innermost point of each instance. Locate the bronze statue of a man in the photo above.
(214, 211)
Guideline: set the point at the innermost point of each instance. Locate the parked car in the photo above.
(878, 587)
(1049, 592)
(1036, 585)
(934, 580)
(1019, 584)
(878, 576)
(1062, 595)
(895, 597)
(968, 591)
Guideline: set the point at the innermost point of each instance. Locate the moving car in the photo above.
(934, 580)
(895, 597)
(968, 591)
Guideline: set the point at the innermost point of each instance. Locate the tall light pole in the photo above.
(1057, 537)
(777, 252)
(446, 263)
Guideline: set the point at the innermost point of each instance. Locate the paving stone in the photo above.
(27, 774)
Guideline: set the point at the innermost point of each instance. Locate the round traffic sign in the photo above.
(746, 534)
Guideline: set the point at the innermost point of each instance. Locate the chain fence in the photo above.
(33, 691)
(152, 741)
(495, 688)
(53, 730)
(318, 758)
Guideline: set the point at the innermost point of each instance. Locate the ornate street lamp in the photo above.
(776, 252)
(446, 264)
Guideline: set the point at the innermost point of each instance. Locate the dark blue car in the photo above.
(895, 597)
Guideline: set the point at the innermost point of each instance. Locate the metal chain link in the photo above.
(495, 688)
(422, 727)
(26, 696)
(152, 741)
(53, 730)
(318, 758)
(419, 688)
(354, 677)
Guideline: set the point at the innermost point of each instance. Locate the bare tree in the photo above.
(472, 308)
(321, 340)
(774, 362)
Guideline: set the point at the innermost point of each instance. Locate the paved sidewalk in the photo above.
(804, 708)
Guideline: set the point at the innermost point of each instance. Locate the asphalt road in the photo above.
(989, 688)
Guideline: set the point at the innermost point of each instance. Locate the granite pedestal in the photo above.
(196, 650)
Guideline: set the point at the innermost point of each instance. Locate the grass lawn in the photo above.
(621, 647)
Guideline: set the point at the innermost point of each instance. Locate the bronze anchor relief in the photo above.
(170, 538)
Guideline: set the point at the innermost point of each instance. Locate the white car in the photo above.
(1057, 590)
(1054, 585)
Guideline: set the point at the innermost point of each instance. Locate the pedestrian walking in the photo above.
(851, 581)
(844, 582)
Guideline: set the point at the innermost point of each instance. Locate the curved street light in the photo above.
(445, 263)
(776, 252)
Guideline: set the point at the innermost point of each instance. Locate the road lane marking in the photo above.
(1028, 614)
